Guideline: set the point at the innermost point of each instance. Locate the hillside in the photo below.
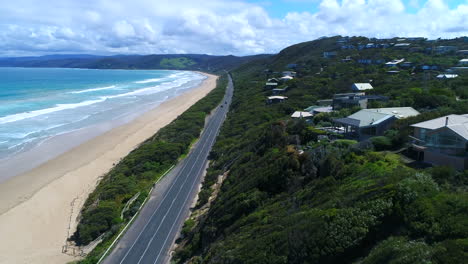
(290, 197)
(167, 62)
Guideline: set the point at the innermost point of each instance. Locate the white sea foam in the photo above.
(58, 107)
(149, 80)
(95, 89)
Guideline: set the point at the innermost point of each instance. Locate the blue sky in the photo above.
(239, 27)
(279, 8)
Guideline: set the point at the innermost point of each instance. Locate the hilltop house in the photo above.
(462, 52)
(447, 76)
(329, 54)
(278, 91)
(275, 99)
(445, 49)
(372, 122)
(299, 114)
(463, 62)
(347, 59)
(406, 64)
(317, 109)
(394, 63)
(289, 73)
(271, 83)
(348, 100)
(402, 45)
(286, 78)
(358, 87)
(443, 141)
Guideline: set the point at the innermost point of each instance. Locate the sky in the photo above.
(217, 27)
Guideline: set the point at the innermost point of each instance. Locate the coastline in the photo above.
(37, 207)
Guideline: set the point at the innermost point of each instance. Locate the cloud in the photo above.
(30, 27)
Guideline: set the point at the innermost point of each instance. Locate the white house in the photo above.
(286, 78)
(447, 76)
(299, 114)
(276, 99)
(394, 63)
(361, 87)
(463, 62)
(289, 73)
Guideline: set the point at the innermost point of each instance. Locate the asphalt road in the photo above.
(151, 236)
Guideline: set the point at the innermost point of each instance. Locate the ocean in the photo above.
(39, 103)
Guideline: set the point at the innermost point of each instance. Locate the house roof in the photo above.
(362, 86)
(299, 114)
(286, 78)
(364, 119)
(277, 97)
(323, 109)
(447, 76)
(271, 84)
(398, 112)
(456, 123)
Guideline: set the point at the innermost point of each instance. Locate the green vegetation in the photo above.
(291, 199)
(207, 63)
(176, 63)
(137, 172)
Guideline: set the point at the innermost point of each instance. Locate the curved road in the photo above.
(149, 238)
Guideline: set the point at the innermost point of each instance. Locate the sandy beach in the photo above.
(38, 209)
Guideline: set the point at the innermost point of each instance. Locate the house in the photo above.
(286, 78)
(402, 45)
(324, 109)
(367, 123)
(289, 73)
(445, 49)
(278, 91)
(347, 59)
(357, 87)
(394, 63)
(348, 100)
(276, 99)
(462, 52)
(429, 67)
(317, 109)
(325, 102)
(459, 69)
(299, 114)
(344, 47)
(383, 45)
(329, 54)
(406, 64)
(364, 61)
(447, 76)
(463, 62)
(271, 85)
(370, 45)
(291, 66)
(443, 141)
(416, 39)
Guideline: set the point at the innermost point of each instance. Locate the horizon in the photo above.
(204, 54)
(220, 27)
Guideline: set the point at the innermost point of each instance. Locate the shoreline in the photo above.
(37, 207)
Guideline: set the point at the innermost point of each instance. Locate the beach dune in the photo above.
(39, 208)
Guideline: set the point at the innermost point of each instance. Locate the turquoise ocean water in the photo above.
(39, 103)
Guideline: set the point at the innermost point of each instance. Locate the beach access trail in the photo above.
(39, 209)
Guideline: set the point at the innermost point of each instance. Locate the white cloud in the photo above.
(29, 27)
